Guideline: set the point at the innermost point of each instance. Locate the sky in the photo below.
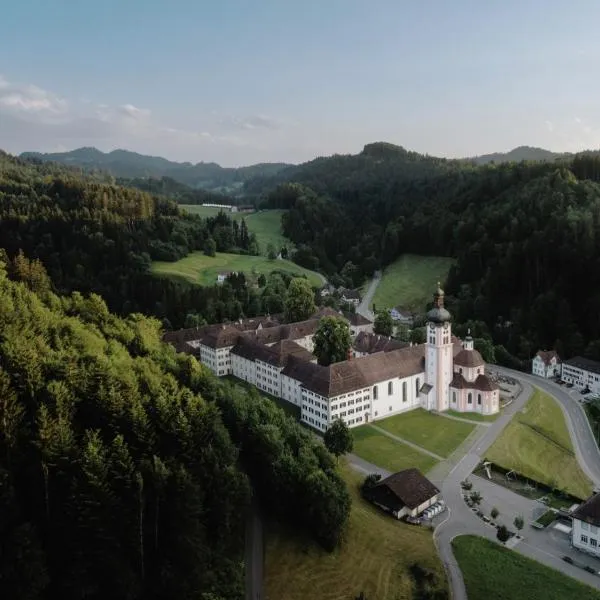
(239, 82)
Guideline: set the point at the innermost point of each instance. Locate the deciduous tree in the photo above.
(384, 324)
(299, 300)
(332, 341)
(338, 438)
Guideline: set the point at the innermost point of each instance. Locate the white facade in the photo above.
(546, 369)
(586, 537)
(218, 360)
(581, 377)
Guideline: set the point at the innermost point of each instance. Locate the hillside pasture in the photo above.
(265, 224)
(537, 445)
(410, 281)
(197, 268)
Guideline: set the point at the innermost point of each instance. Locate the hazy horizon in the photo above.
(239, 83)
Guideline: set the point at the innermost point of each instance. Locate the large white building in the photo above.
(380, 378)
(585, 534)
(546, 363)
(583, 373)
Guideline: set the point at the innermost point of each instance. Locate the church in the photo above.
(379, 379)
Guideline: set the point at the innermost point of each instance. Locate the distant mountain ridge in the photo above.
(126, 164)
(518, 154)
(239, 181)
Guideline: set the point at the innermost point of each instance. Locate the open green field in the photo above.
(492, 572)
(430, 431)
(379, 449)
(201, 269)
(374, 558)
(265, 224)
(474, 416)
(537, 444)
(410, 281)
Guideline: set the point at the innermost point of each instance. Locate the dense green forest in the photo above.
(95, 236)
(526, 236)
(126, 470)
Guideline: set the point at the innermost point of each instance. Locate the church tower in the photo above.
(438, 354)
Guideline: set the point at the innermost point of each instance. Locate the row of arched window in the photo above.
(469, 398)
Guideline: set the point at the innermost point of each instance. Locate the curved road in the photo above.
(461, 520)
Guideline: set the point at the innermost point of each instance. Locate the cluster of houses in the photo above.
(381, 377)
(582, 373)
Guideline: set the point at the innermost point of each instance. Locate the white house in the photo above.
(583, 373)
(350, 297)
(585, 534)
(402, 316)
(221, 277)
(546, 363)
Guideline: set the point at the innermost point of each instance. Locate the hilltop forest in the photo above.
(525, 236)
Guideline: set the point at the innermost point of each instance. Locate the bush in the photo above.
(369, 482)
(466, 485)
(494, 512)
(503, 534)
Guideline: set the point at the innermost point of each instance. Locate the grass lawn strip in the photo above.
(547, 518)
(437, 434)
(379, 449)
(474, 416)
(374, 559)
(265, 224)
(409, 281)
(537, 445)
(492, 572)
(197, 268)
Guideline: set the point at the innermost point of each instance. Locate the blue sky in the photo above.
(240, 82)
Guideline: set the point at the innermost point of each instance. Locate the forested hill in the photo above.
(126, 470)
(526, 236)
(123, 163)
(519, 154)
(95, 236)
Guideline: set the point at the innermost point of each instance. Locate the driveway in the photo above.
(364, 308)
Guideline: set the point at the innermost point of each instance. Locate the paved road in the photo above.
(254, 556)
(364, 308)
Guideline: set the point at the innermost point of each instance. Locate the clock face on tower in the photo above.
(431, 326)
(445, 325)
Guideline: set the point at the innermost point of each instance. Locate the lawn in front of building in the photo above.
(537, 445)
(381, 450)
(474, 416)
(492, 572)
(430, 431)
(375, 557)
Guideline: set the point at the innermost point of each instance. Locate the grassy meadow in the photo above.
(265, 224)
(200, 269)
(374, 558)
(410, 281)
(492, 572)
(537, 444)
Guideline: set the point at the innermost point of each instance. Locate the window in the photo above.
(390, 409)
(404, 398)
(417, 386)
(390, 388)
(584, 539)
(453, 397)
(593, 542)
(375, 390)
(479, 399)
(470, 398)
(460, 371)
